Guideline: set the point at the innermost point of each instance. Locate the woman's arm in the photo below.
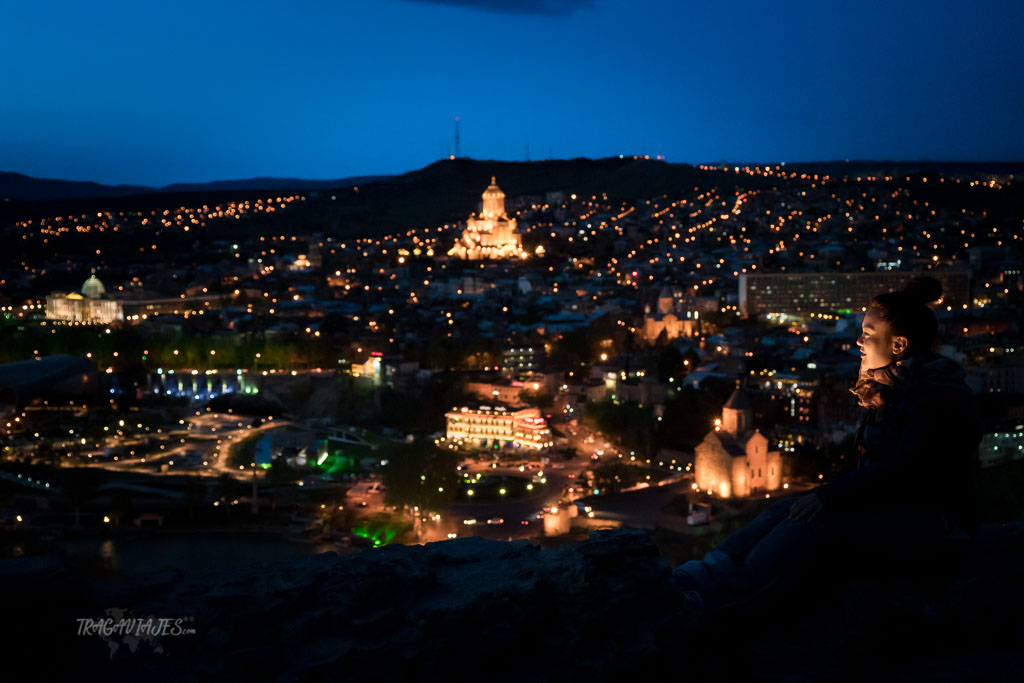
(886, 478)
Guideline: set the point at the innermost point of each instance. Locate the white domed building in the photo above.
(90, 307)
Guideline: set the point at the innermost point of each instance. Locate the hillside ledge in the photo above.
(474, 609)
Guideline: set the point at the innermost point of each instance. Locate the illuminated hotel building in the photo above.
(802, 293)
(525, 428)
(492, 234)
(89, 307)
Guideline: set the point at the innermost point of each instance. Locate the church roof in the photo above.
(736, 446)
(657, 315)
(739, 400)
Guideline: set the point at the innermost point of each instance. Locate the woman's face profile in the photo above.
(875, 342)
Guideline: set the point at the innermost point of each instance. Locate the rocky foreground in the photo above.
(473, 609)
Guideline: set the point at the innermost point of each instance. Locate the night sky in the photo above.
(197, 90)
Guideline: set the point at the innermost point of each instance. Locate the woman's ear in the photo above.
(899, 346)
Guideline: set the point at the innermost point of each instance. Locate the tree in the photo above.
(382, 529)
(627, 423)
(669, 364)
(614, 477)
(420, 475)
(541, 398)
(281, 473)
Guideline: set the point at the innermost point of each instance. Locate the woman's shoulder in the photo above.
(936, 386)
(934, 373)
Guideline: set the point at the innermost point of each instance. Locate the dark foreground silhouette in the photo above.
(472, 609)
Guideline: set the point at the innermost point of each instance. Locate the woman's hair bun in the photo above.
(924, 289)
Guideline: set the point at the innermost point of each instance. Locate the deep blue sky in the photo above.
(154, 93)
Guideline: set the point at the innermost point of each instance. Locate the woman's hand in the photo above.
(806, 508)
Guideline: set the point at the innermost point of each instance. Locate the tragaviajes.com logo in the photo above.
(119, 628)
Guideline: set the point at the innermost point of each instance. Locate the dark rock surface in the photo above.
(473, 609)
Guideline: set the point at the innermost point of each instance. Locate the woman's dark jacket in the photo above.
(920, 448)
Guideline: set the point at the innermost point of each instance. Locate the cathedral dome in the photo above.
(493, 190)
(93, 288)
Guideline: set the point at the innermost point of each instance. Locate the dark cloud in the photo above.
(550, 8)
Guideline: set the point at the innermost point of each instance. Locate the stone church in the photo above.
(667, 318)
(734, 460)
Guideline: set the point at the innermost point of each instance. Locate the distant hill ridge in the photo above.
(448, 190)
(17, 187)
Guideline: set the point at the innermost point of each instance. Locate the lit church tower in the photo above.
(492, 234)
(737, 413)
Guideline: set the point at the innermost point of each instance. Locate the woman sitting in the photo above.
(913, 486)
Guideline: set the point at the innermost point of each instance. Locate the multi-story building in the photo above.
(488, 426)
(799, 294)
(1006, 377)
(795, 391)
(1002, 445)
(520, 359)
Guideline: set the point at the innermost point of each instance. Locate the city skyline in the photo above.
(122, 94)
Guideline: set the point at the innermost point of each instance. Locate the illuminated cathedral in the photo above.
(492, 234)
